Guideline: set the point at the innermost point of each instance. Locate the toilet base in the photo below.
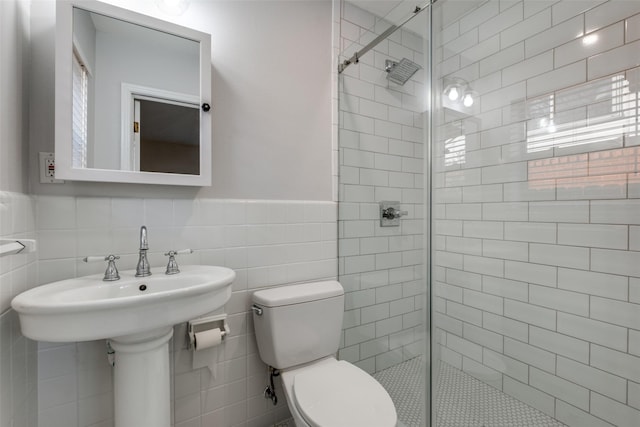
(287, 384)
(297, 419)
(311, 385)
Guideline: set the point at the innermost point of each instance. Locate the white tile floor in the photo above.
(460, 401)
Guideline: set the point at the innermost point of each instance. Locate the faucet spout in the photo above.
(143, 268)
(144, 243)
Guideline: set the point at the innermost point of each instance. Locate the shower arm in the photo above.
(392, 29)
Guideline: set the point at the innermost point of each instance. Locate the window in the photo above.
(600, 111)
(455, 150)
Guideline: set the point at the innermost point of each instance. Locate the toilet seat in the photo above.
(340, 394)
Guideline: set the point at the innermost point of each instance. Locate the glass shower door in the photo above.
(382, 121)
(536, 238)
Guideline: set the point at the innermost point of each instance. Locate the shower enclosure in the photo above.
(509, 293)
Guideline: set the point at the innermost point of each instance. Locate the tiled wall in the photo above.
(381, 158)
(536, 279)
(18, 365)
(266, 242)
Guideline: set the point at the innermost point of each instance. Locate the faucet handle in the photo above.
(172, 265)
(111, 273)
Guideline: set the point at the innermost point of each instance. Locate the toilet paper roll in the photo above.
(206, 350)
(207, 339)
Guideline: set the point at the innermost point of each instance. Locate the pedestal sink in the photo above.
(137, 315)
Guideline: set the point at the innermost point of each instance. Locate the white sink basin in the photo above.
(87, 308)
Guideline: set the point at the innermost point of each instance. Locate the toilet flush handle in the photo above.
(257, 310)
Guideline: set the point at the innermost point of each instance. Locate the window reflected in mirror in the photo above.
(80, 101)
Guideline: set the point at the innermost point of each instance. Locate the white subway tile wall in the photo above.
(267, 243)
(18, 355)
(536, 246)
(381, 132)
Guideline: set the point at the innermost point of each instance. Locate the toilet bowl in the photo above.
(298, 332)
(336, 393)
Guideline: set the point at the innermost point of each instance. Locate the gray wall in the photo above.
(271, 99)
(269, 214)
(18, 364)
(14, 83)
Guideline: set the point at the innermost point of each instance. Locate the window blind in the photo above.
(79, 113)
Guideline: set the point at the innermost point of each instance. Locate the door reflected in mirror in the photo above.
(168, 135)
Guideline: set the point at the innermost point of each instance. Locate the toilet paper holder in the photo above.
(205, 324)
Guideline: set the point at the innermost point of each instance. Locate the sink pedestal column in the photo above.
(141, 379)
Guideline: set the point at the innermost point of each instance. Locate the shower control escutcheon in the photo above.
(390, 213)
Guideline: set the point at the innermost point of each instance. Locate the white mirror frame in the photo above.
(63, 98)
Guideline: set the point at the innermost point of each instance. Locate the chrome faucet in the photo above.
(143, 269)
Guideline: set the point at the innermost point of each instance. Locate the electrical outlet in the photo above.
(47, 163)
(49, 167)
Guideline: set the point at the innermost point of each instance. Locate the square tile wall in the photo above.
(18, 355)
(381, 130)
(267, 243)
(536, 202)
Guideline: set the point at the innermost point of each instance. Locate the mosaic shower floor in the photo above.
(405, 384)
(461, 400)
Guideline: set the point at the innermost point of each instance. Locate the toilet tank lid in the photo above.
(295, 294)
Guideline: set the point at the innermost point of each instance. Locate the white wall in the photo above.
(536, 265)
(18, 359)
(267, 243)
(271, 87)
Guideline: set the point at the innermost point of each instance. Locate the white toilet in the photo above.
(298, 332)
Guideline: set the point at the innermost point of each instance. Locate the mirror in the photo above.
(132, 97)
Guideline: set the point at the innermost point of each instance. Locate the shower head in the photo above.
(400, 72)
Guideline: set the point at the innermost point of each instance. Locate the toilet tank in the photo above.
(299, 323)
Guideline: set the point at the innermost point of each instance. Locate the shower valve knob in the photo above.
(392, 213)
